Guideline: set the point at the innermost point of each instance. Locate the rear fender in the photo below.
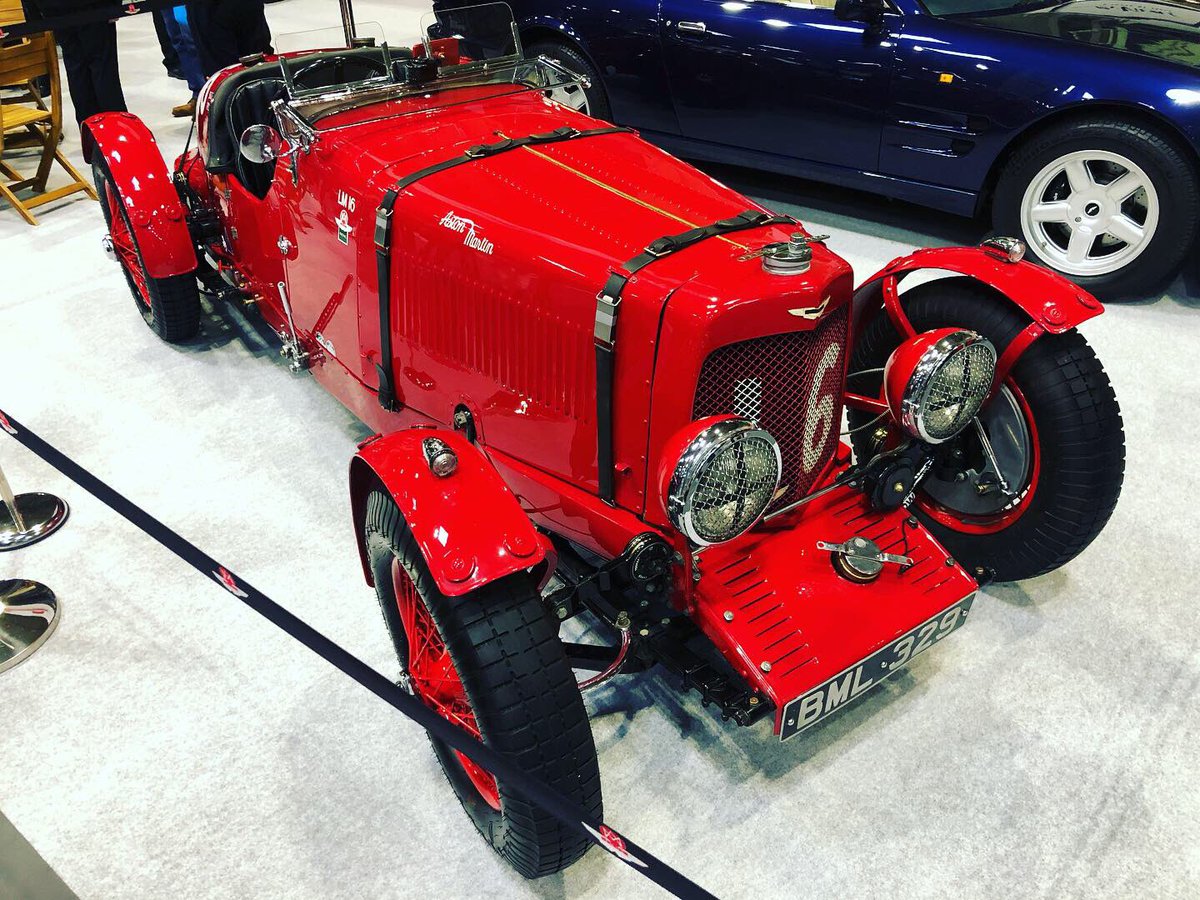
(140, 174)
(1053, 303)
(469, 526)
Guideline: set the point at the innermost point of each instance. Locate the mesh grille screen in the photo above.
(957, 391)
(791, 385)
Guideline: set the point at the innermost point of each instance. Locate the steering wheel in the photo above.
(338, 64)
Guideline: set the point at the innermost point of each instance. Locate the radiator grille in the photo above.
(791, 385)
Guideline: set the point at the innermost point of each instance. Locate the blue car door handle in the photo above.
(693, 27)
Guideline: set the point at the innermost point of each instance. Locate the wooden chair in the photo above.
(24, 90)
(21, 62)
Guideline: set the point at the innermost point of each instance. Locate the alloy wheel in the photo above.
(572, 95)
(1090, 213)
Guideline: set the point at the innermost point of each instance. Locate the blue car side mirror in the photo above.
(868, 11)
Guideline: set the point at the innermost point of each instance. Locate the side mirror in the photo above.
(260, 144)
(868, 11)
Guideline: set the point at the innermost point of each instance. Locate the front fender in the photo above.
(1052, 302)
(469, 526)
(140, 174)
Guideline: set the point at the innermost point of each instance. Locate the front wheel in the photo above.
(170, 306)
(1054, 428)
(1113, 205)
(491, 663)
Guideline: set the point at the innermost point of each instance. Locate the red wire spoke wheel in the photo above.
(170, 306)
(1054, 426)
(489, 662)
(433, 678)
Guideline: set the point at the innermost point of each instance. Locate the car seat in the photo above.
(251, 105)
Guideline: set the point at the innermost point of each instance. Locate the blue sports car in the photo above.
(1075, 124)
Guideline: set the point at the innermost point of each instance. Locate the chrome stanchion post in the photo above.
(27, 518)
(29, 613)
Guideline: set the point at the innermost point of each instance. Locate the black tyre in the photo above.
(593, 100)
(1054, 425)
(1112, 205)
(500, 671)
(170, 306)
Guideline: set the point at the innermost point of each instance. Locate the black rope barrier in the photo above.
(84, 17)
(632, 854)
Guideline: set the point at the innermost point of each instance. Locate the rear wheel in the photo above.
(592, 100)
(170, 306)
(491, 663)
(1054, 428)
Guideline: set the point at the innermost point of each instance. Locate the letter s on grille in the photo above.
(790, 385)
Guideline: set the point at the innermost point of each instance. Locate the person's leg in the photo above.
(254, 35)
(171, 60)
(185, 46)
(79, 81)
(216, 42)
(106, 74)
(79, 72)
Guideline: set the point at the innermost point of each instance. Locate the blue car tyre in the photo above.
(590, 100)
(1113, 205)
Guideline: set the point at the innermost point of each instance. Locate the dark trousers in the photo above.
(185, 49)
(170, 57)
(93, 79)
(226, 30)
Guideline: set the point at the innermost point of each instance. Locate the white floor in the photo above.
(167, 742)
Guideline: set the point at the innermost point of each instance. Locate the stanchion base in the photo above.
(44, 514)
(28, 616)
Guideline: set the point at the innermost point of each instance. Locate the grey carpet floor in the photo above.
(168, 743)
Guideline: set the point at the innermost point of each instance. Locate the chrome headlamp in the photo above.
(723, 481)
(936, 382)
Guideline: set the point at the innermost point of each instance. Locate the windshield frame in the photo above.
(541, 74)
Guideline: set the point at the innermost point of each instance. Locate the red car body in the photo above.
(492, 280)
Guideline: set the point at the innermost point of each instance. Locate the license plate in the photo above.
(809, 709)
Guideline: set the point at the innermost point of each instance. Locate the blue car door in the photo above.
(784, 77)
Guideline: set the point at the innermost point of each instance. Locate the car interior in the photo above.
(244, 99)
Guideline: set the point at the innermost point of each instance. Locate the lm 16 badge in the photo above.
(347, 203)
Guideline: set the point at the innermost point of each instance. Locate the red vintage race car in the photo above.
(606, 385)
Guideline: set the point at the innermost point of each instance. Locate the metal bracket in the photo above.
(606, 320)
(297, 356)
(863, 549)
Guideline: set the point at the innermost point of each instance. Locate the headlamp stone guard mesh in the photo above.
(956, 391)
(723, 482)
(791, 386)
(734, 489)
(949, 385)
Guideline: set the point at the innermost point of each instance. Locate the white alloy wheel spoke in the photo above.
(576, 99)
(1079, 176)
(1124, 188)
(1125, 229)
(1080, 246)
(1052, 211)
